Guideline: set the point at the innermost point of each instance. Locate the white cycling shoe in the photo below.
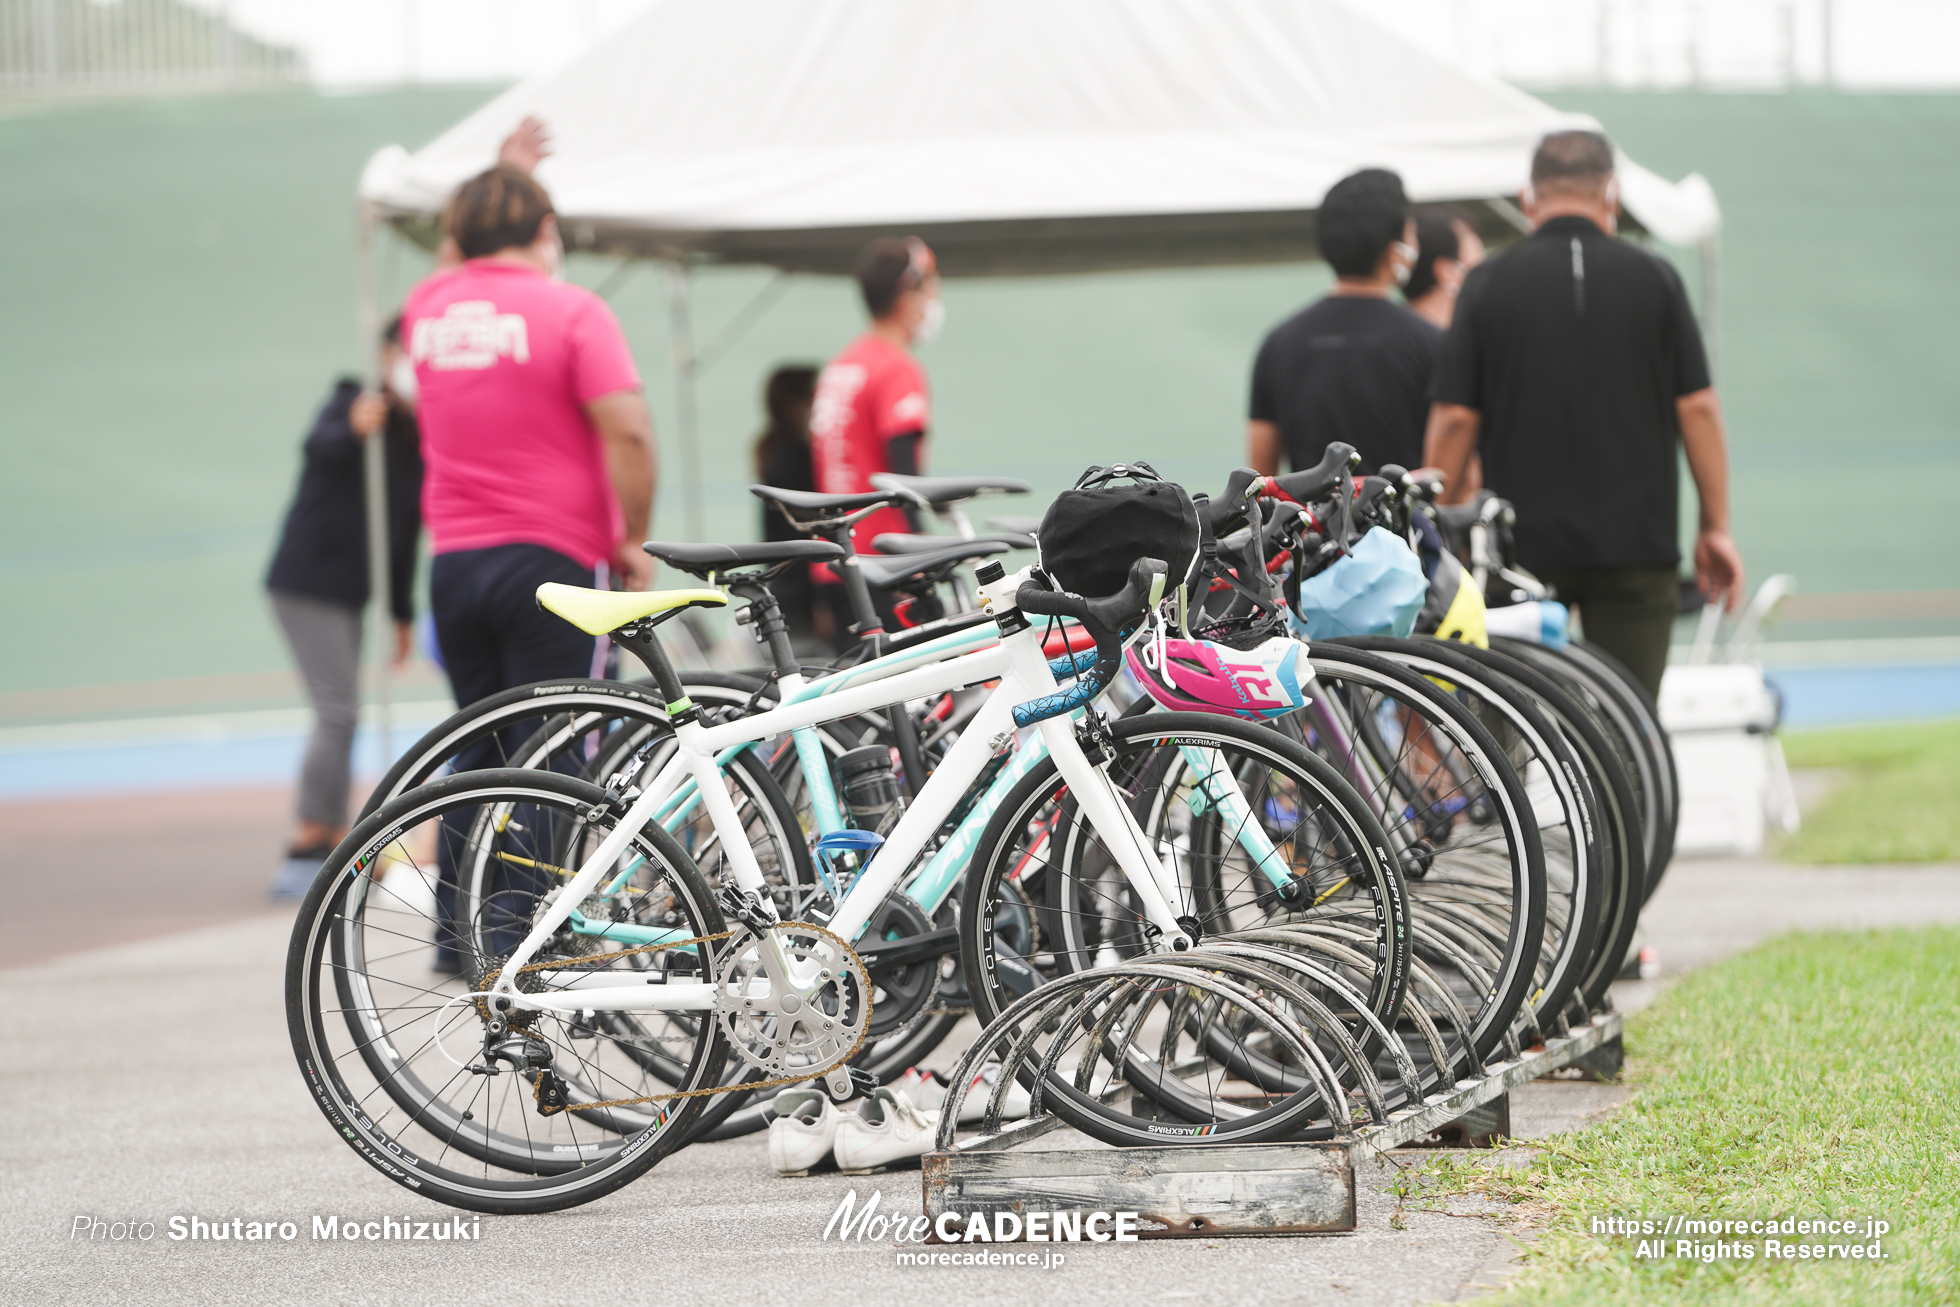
(804, 1130)
(888, 1128)
(929, 1090)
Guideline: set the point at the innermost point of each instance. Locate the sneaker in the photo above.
(926, 1089)
(803, 1130)
(296, 873)
(887, 1129)
(929, 1089)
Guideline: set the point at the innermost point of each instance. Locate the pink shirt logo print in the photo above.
(471, 334)
(507, 360)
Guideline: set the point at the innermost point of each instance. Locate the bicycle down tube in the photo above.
(1023, 674)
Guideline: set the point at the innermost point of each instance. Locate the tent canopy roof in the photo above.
(1017, 136)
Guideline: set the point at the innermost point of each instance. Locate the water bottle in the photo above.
(871, 796)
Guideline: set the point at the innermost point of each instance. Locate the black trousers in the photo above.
(491, 631)
(494, 636)
(1627, 611)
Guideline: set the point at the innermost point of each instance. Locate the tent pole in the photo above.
(374, 460)
(680, 309)
(1711, 302)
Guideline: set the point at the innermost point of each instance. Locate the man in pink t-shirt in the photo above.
(536, 438)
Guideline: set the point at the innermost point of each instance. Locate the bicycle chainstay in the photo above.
(739, 1087)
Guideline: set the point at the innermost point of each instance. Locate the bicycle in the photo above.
(691, 988)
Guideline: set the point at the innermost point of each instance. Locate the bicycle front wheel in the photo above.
(1267, 843)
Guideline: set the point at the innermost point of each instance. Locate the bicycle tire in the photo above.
(1646, 717)
(1599, 692)
(1497, 675)
(341, 1026)
(1459, 843)
(1142, 747)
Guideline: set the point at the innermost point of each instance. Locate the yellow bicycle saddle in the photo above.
(601, 612)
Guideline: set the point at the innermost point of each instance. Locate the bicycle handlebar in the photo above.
(1318, 481)
(1105, 620)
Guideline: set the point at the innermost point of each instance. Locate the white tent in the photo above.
(1017, 136)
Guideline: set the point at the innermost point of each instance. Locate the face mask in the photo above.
(554, 257)
(1406, 264)
(930, 322)
(401, 380)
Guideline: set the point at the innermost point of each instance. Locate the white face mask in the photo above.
(1406, 264)
(401, 380)
(930, 322)
(554, 256)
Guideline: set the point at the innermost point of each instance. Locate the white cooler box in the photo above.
(1722, 720)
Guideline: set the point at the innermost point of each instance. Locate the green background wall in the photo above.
(178, 292)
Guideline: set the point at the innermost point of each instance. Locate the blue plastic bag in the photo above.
(1377, 589)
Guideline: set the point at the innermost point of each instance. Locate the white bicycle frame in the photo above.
(1022, 670)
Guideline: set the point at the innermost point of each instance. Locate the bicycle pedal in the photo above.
(848, 1082)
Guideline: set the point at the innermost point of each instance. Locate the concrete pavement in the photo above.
(154, 1079)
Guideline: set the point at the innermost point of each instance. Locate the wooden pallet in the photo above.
(1241, 1189)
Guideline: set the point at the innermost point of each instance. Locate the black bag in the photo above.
(1091, 534)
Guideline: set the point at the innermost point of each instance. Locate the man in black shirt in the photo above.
(1354, 367)
(1572, 367)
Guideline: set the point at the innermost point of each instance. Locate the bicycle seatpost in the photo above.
(766, 614)
(870, 630)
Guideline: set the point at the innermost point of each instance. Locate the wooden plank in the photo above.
(1608, 1062)
(1231, 1189)
(1480, 1127)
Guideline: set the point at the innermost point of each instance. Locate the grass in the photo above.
(1813, 1076)
(1898, 803)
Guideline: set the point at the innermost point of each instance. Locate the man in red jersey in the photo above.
(872, 410)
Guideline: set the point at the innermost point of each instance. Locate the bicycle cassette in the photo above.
(795, 1003)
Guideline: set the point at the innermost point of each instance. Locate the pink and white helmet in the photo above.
(1268, 680)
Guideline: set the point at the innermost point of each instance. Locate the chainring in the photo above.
(785, 1029)
(903, 994)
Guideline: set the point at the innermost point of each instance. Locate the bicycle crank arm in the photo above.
(889, 955)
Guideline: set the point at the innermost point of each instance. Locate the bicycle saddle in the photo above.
(898, 542)
(601, 612)
(940, 491)
(888, 571)
(701, 560)
(807, 510)
(1025, 526)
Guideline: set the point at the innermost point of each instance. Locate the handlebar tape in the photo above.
(1105, 620)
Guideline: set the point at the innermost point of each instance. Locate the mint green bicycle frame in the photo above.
(933, 883)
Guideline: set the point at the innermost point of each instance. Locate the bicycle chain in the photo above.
(740, 1087)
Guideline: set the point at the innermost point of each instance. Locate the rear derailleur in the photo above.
(529, 1056)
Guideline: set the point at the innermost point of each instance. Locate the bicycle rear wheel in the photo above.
(428, 1085)
(1599, 693)
(1560, 805)
(1604, 683)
